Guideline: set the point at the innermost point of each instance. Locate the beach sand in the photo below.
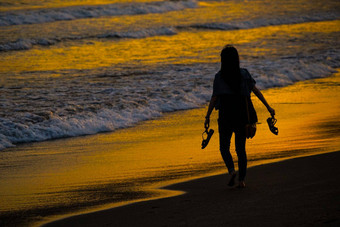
(297, 192)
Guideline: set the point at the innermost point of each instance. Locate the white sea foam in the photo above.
(78, 12)
(233, 25)
(137, 98)
(26, 44)
(141, 33)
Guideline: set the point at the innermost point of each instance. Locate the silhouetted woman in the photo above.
(232, 86)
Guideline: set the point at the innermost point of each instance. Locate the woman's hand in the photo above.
(207, 122)
(271, 111)
(212, 104)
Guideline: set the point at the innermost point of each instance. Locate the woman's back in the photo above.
(232, 110)
(232, 103)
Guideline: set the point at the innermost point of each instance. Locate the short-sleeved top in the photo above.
(231, 104)
(222, 88)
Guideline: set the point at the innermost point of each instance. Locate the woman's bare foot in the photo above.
(241, 184)
(232, 179)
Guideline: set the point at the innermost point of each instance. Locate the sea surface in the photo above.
(142, 71)
(72, 68)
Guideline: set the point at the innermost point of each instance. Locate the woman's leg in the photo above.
(225, 150)
(240, 144)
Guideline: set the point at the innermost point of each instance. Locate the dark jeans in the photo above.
(240, 144)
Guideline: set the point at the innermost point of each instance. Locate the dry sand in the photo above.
(302, 191)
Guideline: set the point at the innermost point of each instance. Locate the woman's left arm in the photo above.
(259, 94)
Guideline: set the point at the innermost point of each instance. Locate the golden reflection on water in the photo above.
(29, 4)
(183, 48)
(216, 12)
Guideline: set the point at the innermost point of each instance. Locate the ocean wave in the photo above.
(112, 102)
(255, 23)
(78, 12)
(141, 33)
(26, 44)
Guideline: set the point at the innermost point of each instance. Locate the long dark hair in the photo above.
(230, 67)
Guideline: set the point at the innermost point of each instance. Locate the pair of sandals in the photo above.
(205, 141)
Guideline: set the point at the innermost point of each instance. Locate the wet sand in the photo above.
(297, 192)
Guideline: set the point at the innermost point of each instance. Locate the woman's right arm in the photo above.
(212, 104)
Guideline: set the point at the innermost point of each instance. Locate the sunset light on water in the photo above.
(103, 102)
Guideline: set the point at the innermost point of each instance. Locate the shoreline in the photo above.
(106, 170)
(302, 189)
(303, 150)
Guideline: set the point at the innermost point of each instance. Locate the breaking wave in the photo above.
(127, 100)
(79, 12)
(26, 44)
(267, 22)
